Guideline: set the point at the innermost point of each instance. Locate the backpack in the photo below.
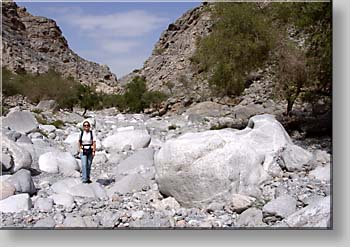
(85, 151)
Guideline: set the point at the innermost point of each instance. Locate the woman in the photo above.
(88, 148)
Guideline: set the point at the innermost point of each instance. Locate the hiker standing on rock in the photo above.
(88, 148)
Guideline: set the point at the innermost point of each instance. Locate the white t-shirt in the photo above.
(86, 138)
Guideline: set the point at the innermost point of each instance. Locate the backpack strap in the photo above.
(81, 137)
(91, 137)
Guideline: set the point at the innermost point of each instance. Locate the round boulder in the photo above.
(54, 162)
(6, 190)
(21, 121)
(21, 157)
(16, 203)
(23, 182)
(200, 168)
(134, 138)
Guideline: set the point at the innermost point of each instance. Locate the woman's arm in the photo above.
(93, 148)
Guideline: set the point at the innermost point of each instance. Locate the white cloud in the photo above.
(124, 24)
(63, 10)
(114, 39)
(118, 46)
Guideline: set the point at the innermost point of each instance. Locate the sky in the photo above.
(119, 34)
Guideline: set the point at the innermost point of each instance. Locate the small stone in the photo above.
(47, 222)
(137, 215)
(59, 218)
(44, 204)
(181, 223)
(6, 190)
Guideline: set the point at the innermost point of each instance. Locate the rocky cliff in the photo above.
(168, 69)
(35, 44)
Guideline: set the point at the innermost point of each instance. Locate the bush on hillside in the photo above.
(291, 73)
(69, 93)
(314, 21)
(245, 35)
(240, 42)
(50, 85)
(137, 97)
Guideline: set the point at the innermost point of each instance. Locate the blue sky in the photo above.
(119, 34)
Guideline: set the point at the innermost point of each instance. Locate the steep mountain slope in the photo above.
(35, 44)
(168, 69)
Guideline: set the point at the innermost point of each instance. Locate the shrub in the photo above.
(4, 110)
(69, 93)
(87, 97)
(58, 123)
(37, 111)
(240, 42)
(9, 83)
(50, 85)
(291, 73)
(153, 98)
(41, 119)
(134, 92)
(314, 21)
(137, 98)
(158, 51)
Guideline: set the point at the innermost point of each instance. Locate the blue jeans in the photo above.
(86, 161)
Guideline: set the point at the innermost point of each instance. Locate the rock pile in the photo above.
(165, 172)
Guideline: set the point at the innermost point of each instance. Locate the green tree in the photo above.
(291, 73)
(87, 97)
(313, 21)
(137, 97)
(240, 42)
(134, 92)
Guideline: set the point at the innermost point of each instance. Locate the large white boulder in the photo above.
(93, 190)
(64, 199)
(6, 162)
(317, 214)
(21, 157)
(45, 105)
(37, 148)
(282, 206)
(322, 173)
(63, 186)
(47, 128)
(199, 168)
(22, 181)
(21, 121)
(128, 184)
(16, 203)
(139, 162)
(59, 162)
(294, 162)
(72, 141)
(134, 138)
(74, 187)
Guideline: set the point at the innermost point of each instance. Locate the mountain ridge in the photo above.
(39, 45)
